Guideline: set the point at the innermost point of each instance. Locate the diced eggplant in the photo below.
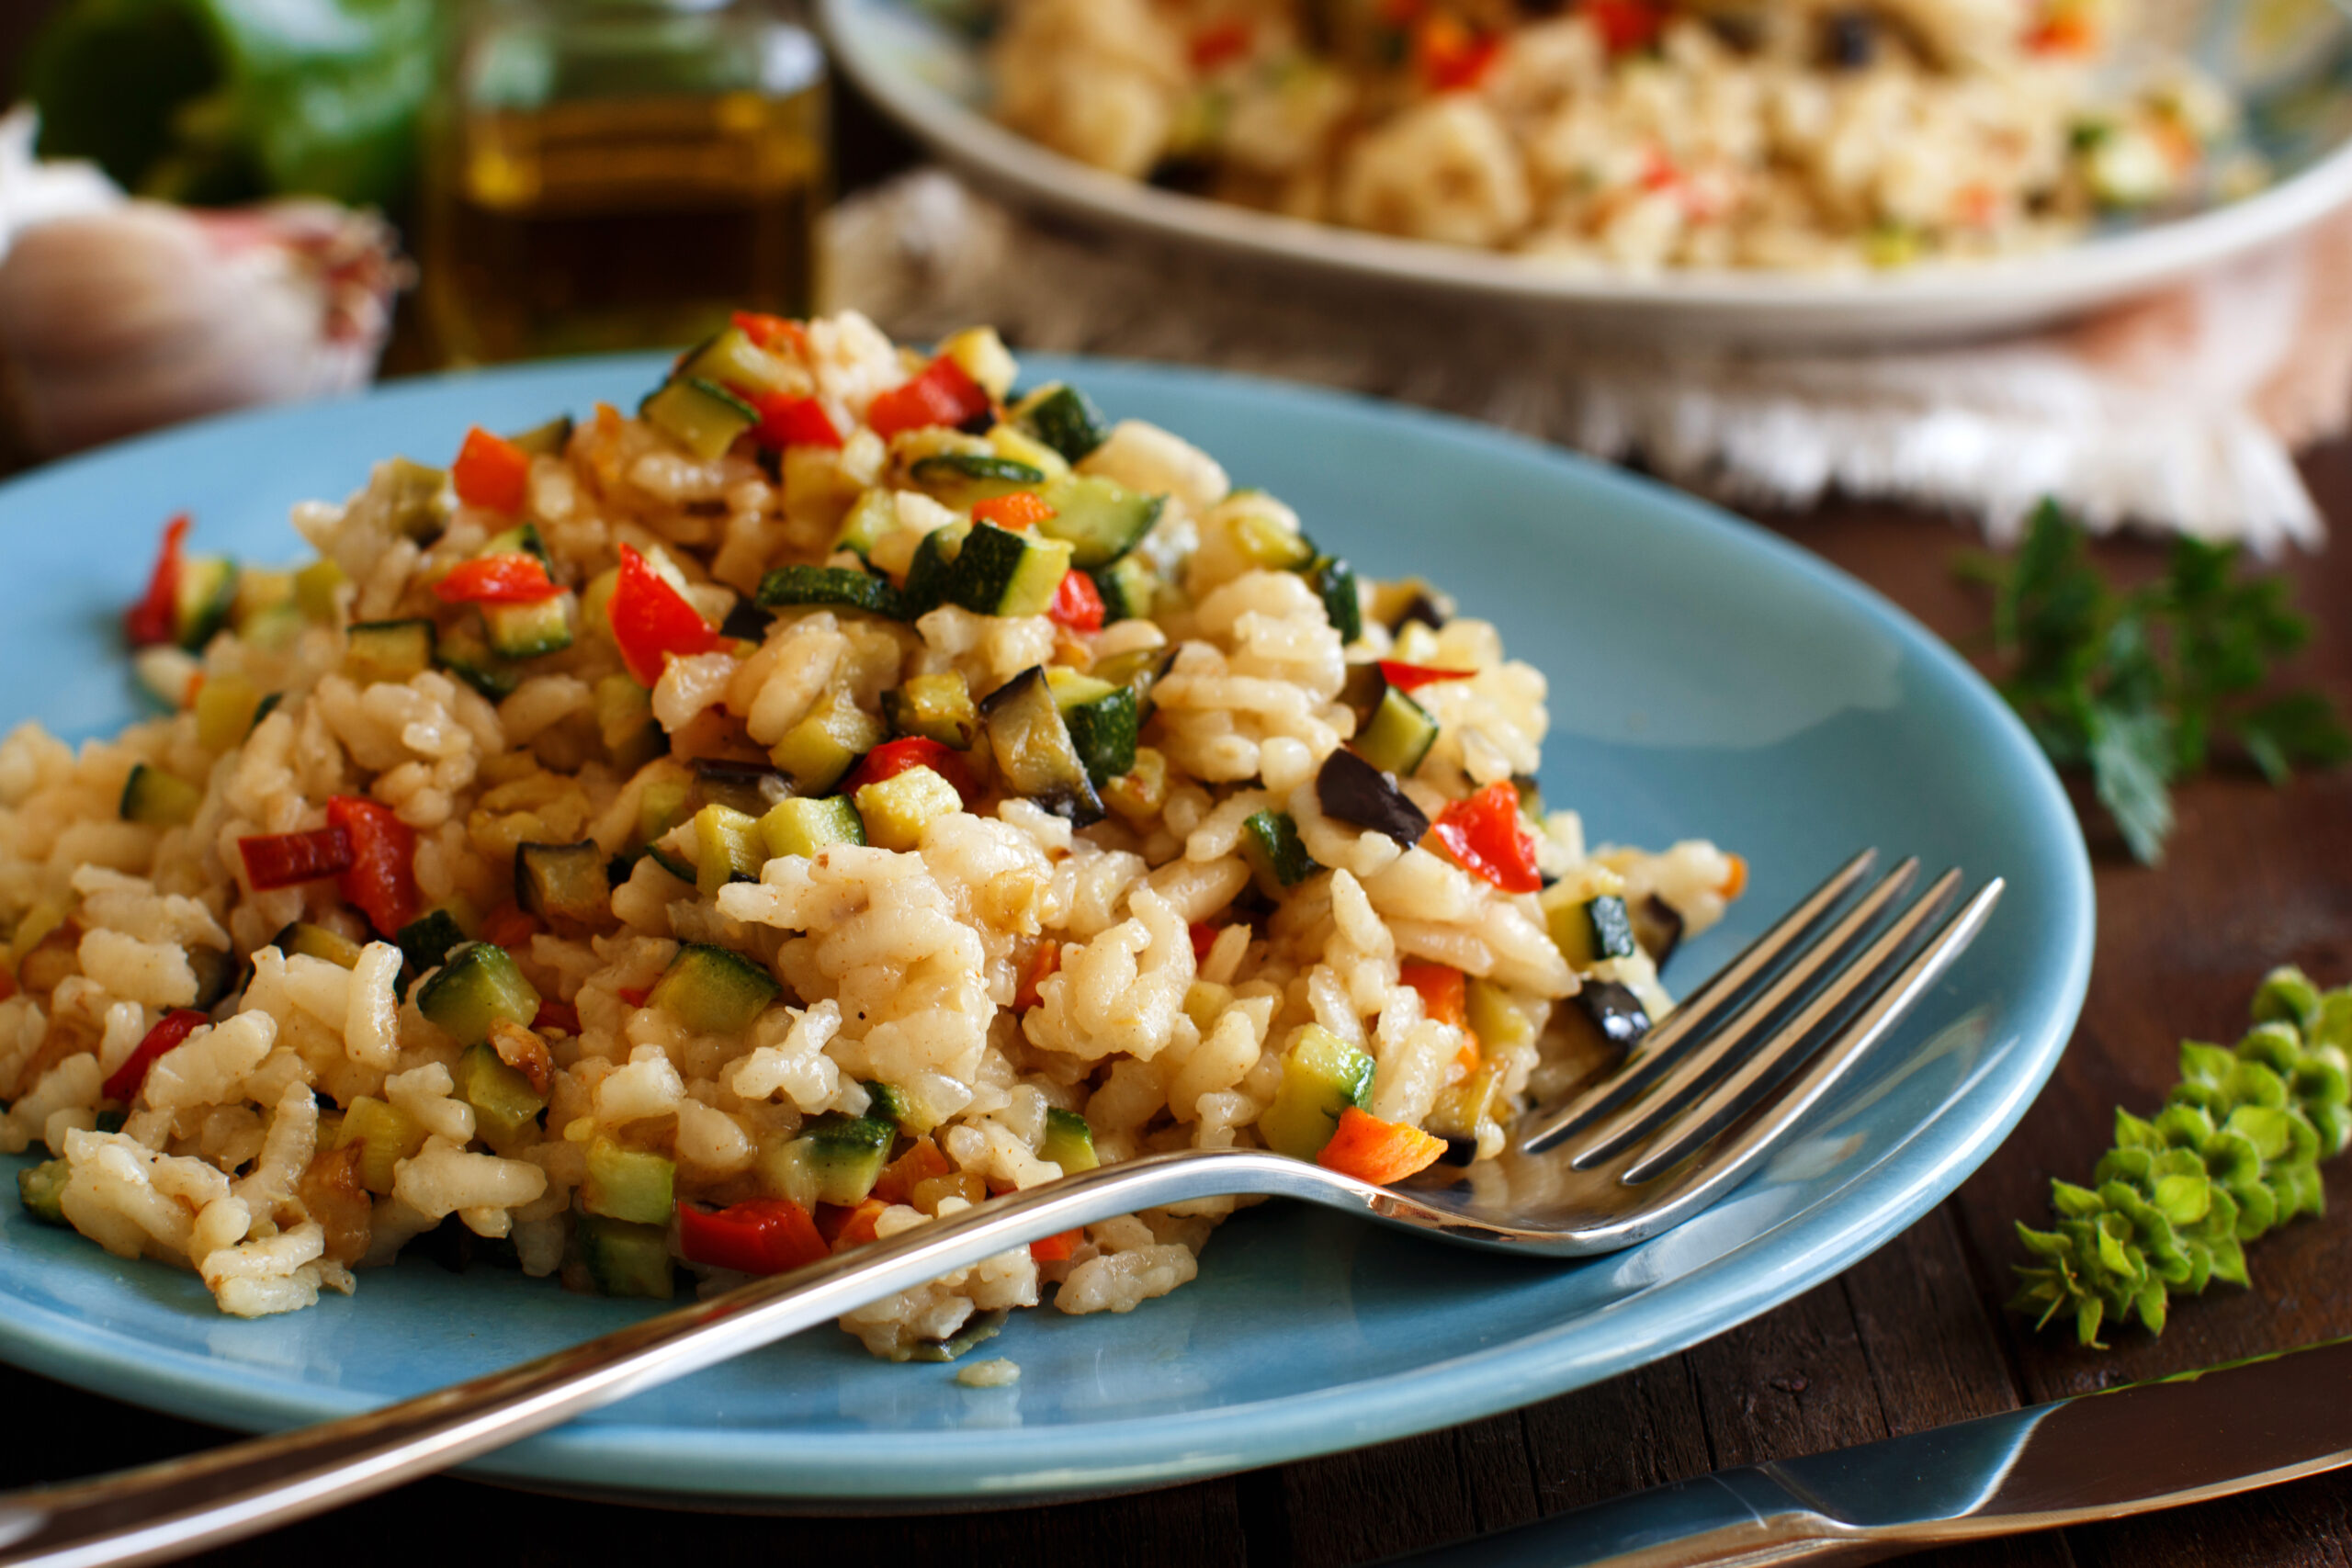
(1396, 603)
(563, 882)
(1658, 926)
(839, 587)
(749, 787)
(746, 621)
(1351, 790)
(1607, 1015)
(1034, 751)
(317, 941)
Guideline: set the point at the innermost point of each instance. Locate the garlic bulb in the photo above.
(140, 313)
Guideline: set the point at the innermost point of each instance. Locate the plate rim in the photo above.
(1834, 1233)
(2065, 278)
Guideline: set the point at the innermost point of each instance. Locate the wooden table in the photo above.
(1911, 1337)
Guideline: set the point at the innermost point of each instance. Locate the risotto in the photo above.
(1632, 133)
(673, 847)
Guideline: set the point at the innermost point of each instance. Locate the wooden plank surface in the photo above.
(1911, 1337)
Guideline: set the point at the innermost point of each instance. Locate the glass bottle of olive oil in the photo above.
(619, 174)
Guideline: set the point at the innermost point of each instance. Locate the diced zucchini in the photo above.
(545, 440)
(1268, 542)
(504, 1101)
(732, 359)
(1590, 930)
(1034, 751)
(999, 572)
(1270, 842)
(875, 515)
(478, 984)
(816, 752)
(425, 941)
(846, 1155)
(936, 707)
(712, 990)
(702, 416)
(225, 708)
(625, 724)
(1063, 417)
(1400, 735)
(41, 1190)
(726, 848)
(629, 1184)
(317, 941)
(1069, 1142)
(844, 587)
(931, 574)
(785, 1171)
(315, 589)
(1499, 1024)
(666, 801)
(624, 1259)
(804, 825)
(388, 650)
(1099, 519)
(1334, 582)
(415, 498)
(896, 810)
(386, 1136)
(1141, 793)
(207, 591)
(528, 631)
(465, 653)
(1128, 588)
(1462, 1113)
(523, 539)
(885, 1103)
(1102, 720)
(217, 974)
(159, 799)
(957, 479)
(563, 882)
(1322, 1075)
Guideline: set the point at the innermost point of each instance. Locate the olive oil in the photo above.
(608, 210)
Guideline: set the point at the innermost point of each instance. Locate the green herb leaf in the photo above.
(2234, 1152)
(2139, 687)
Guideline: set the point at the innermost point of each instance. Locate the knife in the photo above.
(2229, 1428)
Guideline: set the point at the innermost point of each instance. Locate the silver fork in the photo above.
(1700, 1100)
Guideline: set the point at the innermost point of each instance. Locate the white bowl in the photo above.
(2289, 62)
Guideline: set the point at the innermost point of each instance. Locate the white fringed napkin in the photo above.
(2180, 410)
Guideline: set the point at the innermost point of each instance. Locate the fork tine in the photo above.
(1633, 1122)
(1824, 1066)
(1657, 1051)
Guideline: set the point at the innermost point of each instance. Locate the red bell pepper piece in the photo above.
(892, 757)
(1203, 938)
(1625, 24)
(1450, 56)
(1078, 603)
(508, 926)
(759, 1236)
(1444, 993)
(635, 995)
(1212, 47)
(169, 1031)
(288, 860)
(940, 394)
(787, 421)
(518, 579)
(554, 1014)
(491, 473)
(155, 618)
(772, 331)
(1483, 835)
(1413, 677)
(1058, 1248)
(381, 880)
(652, 620)
(849, 1227)
(1016, 511)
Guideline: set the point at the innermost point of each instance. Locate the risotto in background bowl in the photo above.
(1789, 171)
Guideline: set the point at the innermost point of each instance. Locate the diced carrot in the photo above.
(508, 926)
(1445, 992)
(920, 1163)
(1019, 510)
(857, 1225)
(1735, 883)
(1048, 959)
(491, 473)
(1058, 1248)
(1470, 1055)
(1379, 1152)
(7, 983)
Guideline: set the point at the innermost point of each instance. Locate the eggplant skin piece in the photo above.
(1614, 1010)
(1351, 790)
(1658, 926)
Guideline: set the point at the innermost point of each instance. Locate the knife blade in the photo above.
(2131, 1449)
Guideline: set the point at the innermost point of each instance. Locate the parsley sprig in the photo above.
(2141, 687)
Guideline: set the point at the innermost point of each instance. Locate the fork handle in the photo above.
(165, 1510)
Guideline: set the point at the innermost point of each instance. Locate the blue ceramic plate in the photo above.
(1707, 679)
